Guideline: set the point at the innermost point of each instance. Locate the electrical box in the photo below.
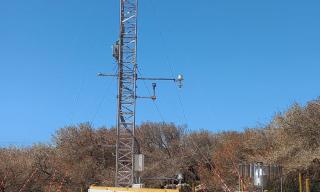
(138, 162)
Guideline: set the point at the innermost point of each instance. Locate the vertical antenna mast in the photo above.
(126, 55)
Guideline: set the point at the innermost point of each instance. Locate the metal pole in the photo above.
(281, 183)
(157, 79)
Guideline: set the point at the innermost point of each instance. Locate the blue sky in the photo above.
(243, 61)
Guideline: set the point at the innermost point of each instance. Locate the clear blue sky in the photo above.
(243, 61)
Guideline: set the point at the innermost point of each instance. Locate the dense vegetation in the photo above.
(82, 155)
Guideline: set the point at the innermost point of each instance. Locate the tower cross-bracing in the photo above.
(125, 51)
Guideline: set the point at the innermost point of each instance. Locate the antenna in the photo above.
(125, 53)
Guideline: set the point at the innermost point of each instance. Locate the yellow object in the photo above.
(123, 189)
(300, 182)
(307, 185)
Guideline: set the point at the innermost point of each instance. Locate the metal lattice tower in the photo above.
(126, 54)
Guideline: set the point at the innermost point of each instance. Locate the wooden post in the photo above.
(300, 182)
(239, 183)
(307, 185)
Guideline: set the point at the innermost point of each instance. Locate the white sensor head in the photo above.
(180, 77)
